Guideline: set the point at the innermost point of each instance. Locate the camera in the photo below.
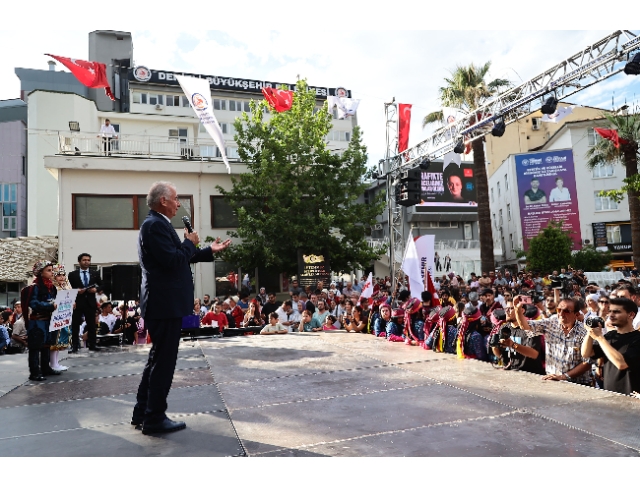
(505, 333)
(594, 322)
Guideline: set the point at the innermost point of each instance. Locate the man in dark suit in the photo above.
(166, 296)
(86, 304)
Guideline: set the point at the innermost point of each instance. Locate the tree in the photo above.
(550, 250)
(297, 193)
(605, 152)
(468, 90)
(591, 260)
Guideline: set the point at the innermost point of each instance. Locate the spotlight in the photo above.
(424, 164)
(549, 106)
(633, 66)
(498, 129)
(459, 148)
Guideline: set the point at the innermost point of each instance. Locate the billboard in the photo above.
(547, 191)
(452, 189)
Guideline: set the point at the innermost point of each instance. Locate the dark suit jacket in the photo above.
(167, 285)
(85, 299)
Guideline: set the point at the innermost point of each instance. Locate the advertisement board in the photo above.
(547, 191)
(451, 190)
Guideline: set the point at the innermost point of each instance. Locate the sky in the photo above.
(367, 53)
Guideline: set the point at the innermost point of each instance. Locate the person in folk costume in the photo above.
(59, 338)
(380, 323)
(443, 336)
(40, 297)
(429, 304)
(498, 318)
(413, 322)
(470, 343)
(395, 326)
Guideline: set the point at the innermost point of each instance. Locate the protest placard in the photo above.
(61, 317)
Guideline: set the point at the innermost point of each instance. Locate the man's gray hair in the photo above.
(157, 191)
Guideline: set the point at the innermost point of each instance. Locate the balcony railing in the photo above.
(457, 244)
(145, 146)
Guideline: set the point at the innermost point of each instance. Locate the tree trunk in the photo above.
(487, 258)
(631, 166)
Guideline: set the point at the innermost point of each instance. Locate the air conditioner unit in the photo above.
(377, 226)
(159, 107)
(536, 123)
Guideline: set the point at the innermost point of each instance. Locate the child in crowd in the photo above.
(274, 327)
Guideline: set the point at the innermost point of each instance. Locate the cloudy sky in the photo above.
(365, 53)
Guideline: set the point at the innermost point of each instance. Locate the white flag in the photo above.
(198, 93)
(559, 114)
(412, 267)
(347, 107)
(367, 290)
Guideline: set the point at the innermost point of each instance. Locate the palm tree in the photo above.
(605, 152)
(467, 90)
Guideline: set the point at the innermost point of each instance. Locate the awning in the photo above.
(17, 255)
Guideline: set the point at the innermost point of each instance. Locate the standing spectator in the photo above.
(262, 296)
(243, 302)
(206, 302)
(87, 282)
(485, 281)
(620, 348)
(321, 312)
(271, 305)
(348, 289)
(294, 288)
(563, 337)
(500, 281)
(489, 304)
(108, 133)
(630, 292)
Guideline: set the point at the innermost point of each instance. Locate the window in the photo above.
(219, 104)
(468, 231)
(500, 213)
(24, 166)
(173, 100)
(185, 101)
(143, 98)
(602, 171)
(222, 215)
(498, 186)
(9, 200)
(511, 241)
(441, 225)
(492, 195)
(233, 152)
(223, 126)
(339, 135)
(508, 212)
(247, 106)
(135, 97)
(613, 234)
(591, 137)
(178, 134)
(506, 183)
(119, 212)
(238, 106)
(495, 222)
(604, 203)
(153, 99)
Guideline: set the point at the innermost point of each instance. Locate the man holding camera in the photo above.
(620, 347)
(563, 336)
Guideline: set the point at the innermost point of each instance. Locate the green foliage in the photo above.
(297, 193)
(591, 260)
(550, 250)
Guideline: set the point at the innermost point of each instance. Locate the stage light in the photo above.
(498, 129)
(424, 164)
(459, 148)
(549, 106)
(633, 66)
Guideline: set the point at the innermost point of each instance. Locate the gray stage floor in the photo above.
(327, 394)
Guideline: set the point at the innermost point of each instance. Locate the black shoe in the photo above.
(164, 426)
(36, 378)
(73, 350)
(50, 371)
(136, 421)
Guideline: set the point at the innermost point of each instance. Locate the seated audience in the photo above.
(308, 322)
(215, 318)
(274, 327)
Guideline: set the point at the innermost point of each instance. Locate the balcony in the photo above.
(457, 244)
(138, 146)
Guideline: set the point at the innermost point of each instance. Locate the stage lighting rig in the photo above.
(633, 67)
(549, 106)
(459, 148)
(499, 128)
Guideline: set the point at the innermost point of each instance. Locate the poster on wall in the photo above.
(313, 268)
(547, 191)
(449, 189)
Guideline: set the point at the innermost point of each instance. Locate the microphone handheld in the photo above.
(187, 224)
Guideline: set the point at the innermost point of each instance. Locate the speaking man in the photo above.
(166, 296)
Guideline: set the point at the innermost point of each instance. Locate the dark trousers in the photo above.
(157, 377)
(89, 313)
(39, 360)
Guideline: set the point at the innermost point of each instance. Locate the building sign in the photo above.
(547, 191)
(621, 247)
(599, 234)
(223, 83)
(453, 189)
(313, 268)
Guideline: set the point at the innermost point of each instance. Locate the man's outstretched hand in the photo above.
(219, 246)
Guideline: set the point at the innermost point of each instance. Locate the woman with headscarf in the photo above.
(395, 326)
(470, 343)
(60, 338)
(381, 320)
(40, 297)
(443, 335)
(413, 322)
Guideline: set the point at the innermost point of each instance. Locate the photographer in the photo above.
(563, 336)
(516, 348)
(620, 347)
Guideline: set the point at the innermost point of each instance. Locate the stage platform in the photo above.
(324, 394)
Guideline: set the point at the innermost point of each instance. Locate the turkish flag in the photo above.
(404, 124)
(280, 100)
(90, 73)
(612, 135)
(430, 286)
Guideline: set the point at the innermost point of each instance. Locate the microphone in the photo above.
(187, 224)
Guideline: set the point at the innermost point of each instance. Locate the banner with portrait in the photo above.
(450, 189)
(547, 191)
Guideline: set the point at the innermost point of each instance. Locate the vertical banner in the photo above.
(547, 191)
(61, 317)
(425, 246)
(198, 91)
(411, 266)
(404, 124)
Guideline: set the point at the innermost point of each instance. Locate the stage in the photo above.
(324, 394)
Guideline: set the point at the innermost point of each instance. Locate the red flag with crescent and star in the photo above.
(404, 124)
(279, 100)
(92, 74)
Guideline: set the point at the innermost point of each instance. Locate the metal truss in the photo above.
(593, 64)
